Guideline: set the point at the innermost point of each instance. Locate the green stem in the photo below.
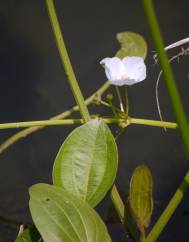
(167, 72)
(19, 125)
(67, 65)
(24, 133)
(104, 104)
(109, 105)
(56, 122)
(118, 203)
(120, 99)
(66, 61)
(127, 101)
(154, 123)
(142, 236)
(169, 210)
(113, 108)
(73, 82)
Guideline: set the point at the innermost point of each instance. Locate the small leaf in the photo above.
(29, 235)
(140, 196)
(86, 163)
(60, 216)
(132, 44)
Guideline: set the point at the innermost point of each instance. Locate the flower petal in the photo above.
(119, 82)
(127, 71)
(136, 69)
(115, 70)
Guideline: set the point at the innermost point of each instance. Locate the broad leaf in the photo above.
(60, 216)
(132, 44)
(86, 163)
(140, 196)
(29, 235)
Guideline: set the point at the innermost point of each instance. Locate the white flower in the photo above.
(127, 71)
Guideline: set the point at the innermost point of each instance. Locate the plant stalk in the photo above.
(24, 133)
(127, 101)
(57, 122)
(169, 210)
(118, 203)
(177, 108)
(66, 60)
(119, 98)
(154, 123)
(167, 72)
(51, 123)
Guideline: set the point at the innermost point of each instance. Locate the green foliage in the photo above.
(62, 217)
(140, 196)
(87, 161)
(29, 235)
(132, 44)
(86, 165)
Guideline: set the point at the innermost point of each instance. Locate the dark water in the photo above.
(34, 87)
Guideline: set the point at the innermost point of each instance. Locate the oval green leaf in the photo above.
(29, 235)
(62, 217)
(132, 44)
(140, 196)
(86, 163)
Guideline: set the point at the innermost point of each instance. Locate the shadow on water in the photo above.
(33, 86)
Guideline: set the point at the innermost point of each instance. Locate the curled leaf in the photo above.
(140, 196)
(132, 44)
